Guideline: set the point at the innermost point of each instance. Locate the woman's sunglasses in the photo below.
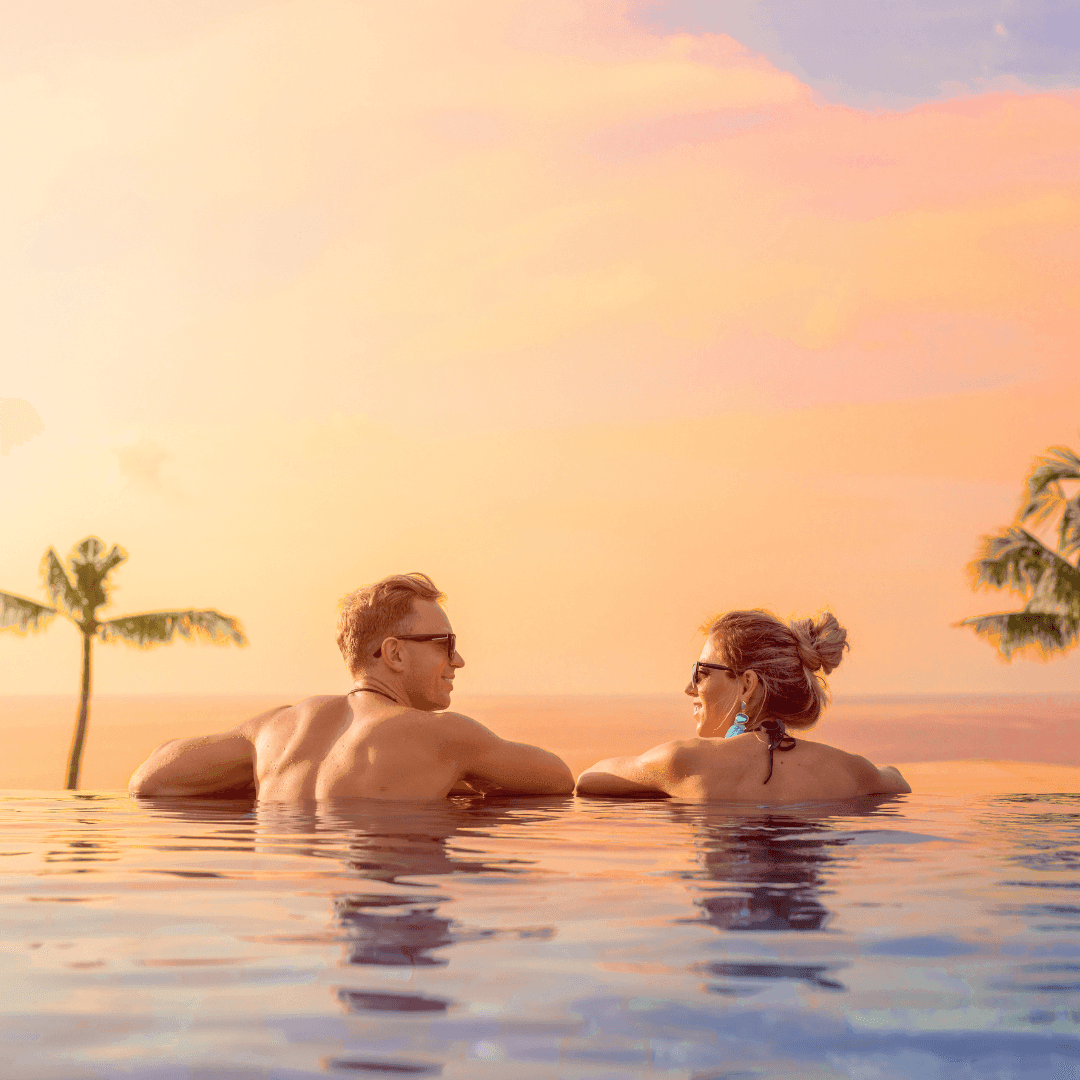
(701, 669)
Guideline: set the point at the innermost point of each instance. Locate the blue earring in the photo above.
(738, 726)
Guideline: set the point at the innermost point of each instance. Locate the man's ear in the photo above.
(393, 654)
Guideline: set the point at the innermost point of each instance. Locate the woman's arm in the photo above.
(658, 771)
(893, 781)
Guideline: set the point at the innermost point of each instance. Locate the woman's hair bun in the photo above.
(822, 643)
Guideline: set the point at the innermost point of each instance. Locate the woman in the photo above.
(755, 683)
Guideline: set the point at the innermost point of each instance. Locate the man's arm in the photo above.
(205, 765)
(658, 771)
(491, 764)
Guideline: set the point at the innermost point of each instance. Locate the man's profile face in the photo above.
(429, 671)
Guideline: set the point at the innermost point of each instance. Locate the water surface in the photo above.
(918, 937)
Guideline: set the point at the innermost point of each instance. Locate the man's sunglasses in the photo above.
(696, 677)
(450, 639)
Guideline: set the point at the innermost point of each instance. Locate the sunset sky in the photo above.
(607, 315)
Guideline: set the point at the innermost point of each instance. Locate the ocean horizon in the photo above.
(35, 729)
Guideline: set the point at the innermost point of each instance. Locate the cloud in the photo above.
(141, 463)
(896, 55)
(515, 213)
(19, 423)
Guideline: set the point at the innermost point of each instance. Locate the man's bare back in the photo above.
(340, 747)
(389, 738)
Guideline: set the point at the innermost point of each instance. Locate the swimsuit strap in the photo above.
(779, 739)
(372, 690)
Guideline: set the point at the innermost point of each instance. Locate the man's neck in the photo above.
(376, 686)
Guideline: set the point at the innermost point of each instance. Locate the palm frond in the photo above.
(87, 550)
(113, 559)
(1044, 494)
(160, 627)
(90, 569)
(1058, 591)
(22, 615)
(1046, 632)
(1015, 559)
(59, 586)
(1069, 527)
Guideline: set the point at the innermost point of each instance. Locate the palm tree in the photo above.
(1016, 558)
(79, 600)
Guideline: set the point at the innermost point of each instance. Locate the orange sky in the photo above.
(604, 329)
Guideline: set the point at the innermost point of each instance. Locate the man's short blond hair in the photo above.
(373, 612)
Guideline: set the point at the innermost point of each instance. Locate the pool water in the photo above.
(916, 937)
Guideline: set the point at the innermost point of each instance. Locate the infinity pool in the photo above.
(917, 937)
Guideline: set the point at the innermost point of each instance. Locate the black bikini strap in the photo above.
(779, 739)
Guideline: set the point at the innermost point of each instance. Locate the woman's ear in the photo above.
(748, 684)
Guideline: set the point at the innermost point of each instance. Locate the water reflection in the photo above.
(408, 856)
(102, 845)
(811, 974)
(768, 872)
(395, 843)
(386, 1068)
(401, 846)
(393, 931)
(765, 871)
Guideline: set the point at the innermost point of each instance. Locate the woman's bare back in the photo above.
(735, 770)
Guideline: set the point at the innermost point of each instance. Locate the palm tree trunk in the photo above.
(75, 760)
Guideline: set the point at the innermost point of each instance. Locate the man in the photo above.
(385, 739)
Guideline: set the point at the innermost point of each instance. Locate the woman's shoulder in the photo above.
(833, 754)
(680, 758)
(677, 750)
(712, 758)
(862, 771)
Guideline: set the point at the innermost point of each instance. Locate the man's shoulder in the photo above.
(439, 724)
(453, 731)
(318, 702)
(307, 708)
(455, 723)
(454, 717)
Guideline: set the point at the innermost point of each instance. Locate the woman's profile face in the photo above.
(716, 696)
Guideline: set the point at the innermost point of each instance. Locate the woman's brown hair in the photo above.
(787, 658)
